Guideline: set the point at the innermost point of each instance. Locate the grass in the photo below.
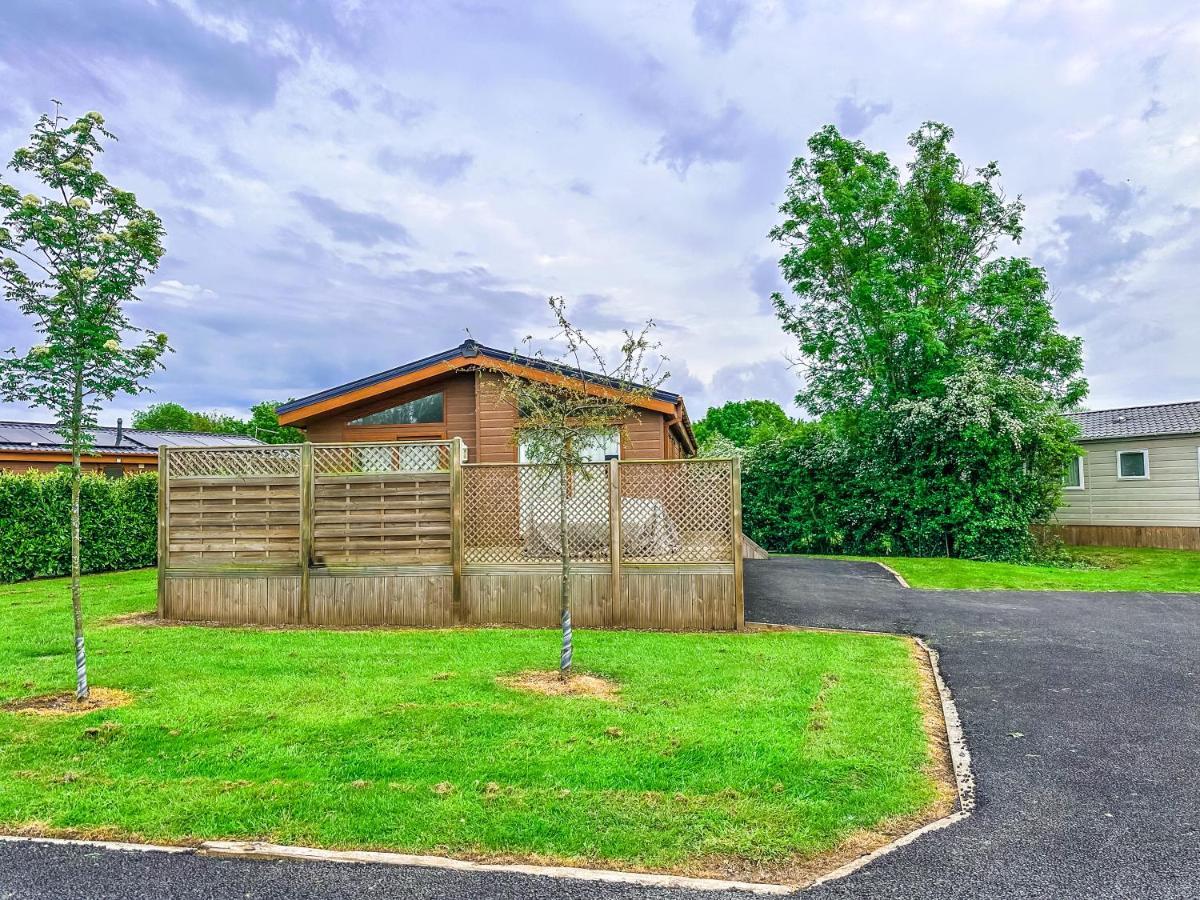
(1093, 569)
(759, 748)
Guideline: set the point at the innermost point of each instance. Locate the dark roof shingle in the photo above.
(1139, 421)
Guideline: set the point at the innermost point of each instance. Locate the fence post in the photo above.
(614, 539)
(456, 529)
(163, 537)
(306, 529)
(735, 486)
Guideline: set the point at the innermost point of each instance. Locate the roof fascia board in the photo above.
(300, 412)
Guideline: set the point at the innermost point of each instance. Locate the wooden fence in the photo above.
(408, 534)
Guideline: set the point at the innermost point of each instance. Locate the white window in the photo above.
(1133, 464)
(599, 449)
(1073, 477)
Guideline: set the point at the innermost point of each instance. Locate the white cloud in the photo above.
(180, 294)
(524, 140)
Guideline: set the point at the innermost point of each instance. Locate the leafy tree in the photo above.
(165, 417)
(559, 422)
(742, 421)
(72, 259)
(936, 364)
(263, 423)
(897, 285)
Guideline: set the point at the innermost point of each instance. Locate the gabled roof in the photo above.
(1139, 421)
(37, 437)
(467, 354)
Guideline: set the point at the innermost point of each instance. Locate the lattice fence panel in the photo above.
(511, 514)
(356, 459)
(233, 462)
(677, 512)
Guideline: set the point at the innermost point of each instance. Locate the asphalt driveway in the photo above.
(1082, 713)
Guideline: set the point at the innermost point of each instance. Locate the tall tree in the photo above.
(72, 258)
(897, 284)
(559, 422)
(935, 361)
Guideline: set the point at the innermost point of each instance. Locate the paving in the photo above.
(1082, 713)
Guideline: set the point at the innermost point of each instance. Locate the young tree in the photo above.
(71, 259)
(906, 316)
(561, 420)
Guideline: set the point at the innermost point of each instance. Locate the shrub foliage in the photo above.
(118, 523)
(936, 365)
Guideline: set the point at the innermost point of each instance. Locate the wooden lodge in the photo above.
(411, 505)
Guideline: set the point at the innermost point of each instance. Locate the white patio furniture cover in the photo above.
(646, 530)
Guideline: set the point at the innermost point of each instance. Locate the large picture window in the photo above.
(422, 411)
(1133, 464)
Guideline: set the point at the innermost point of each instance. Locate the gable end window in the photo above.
(1073, 477)
(422, 411)
(1133, 464)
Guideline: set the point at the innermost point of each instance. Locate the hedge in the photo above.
(118, 523)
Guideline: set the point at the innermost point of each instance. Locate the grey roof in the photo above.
(1139, 421)
(39, 437)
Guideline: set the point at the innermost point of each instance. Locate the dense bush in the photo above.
(966, 474)
(118, 523)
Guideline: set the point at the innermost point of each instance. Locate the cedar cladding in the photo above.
(476, 411)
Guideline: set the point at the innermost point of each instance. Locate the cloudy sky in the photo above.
(347, 186)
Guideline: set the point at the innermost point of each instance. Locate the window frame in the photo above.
(1078, 463)
(358, 423)
(620, 441)
(1145, 476)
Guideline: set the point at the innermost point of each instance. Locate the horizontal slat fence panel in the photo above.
(226, 520)
(376, 520)
(1163, 537)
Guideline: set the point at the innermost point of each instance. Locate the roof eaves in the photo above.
(466, 350)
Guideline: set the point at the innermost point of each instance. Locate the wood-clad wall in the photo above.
(476, 411)
(458, 405)
(495, 419)
(17, 462)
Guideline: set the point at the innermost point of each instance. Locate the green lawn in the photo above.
(1095, 569)
(758, 748)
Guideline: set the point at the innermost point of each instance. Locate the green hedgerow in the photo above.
(118, 523)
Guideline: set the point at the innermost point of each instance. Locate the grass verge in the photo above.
(1092, 569)
(746, 755)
